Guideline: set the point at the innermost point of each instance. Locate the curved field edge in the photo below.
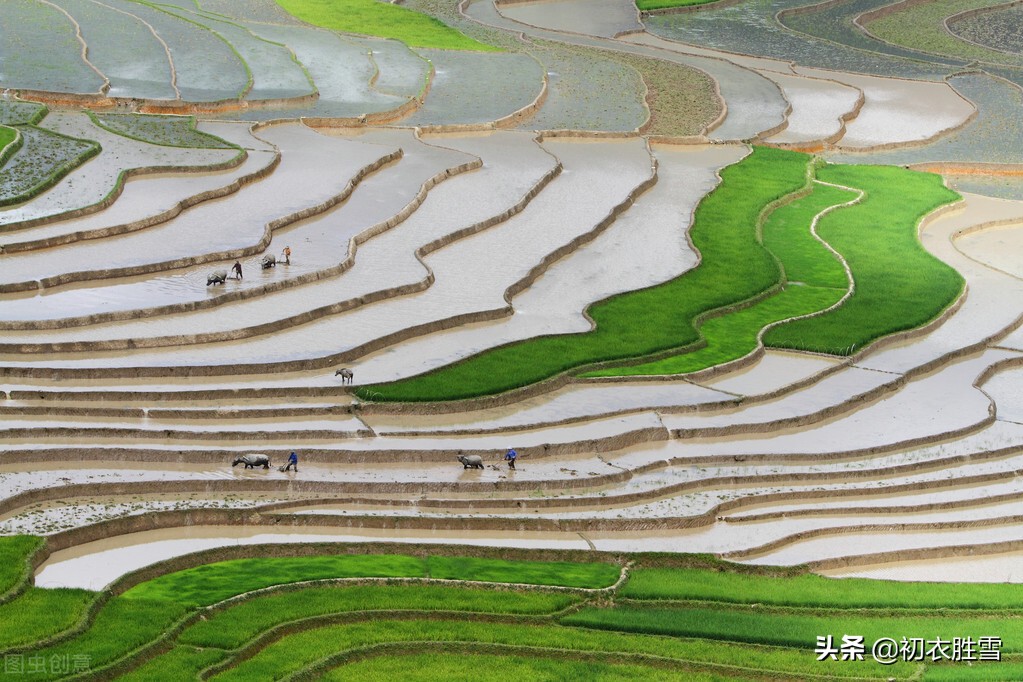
(35, 168)
(690, 612)
(898, 285)
(162, 130)
(10, 142)
(921, 26)
(444, 664)
(16, 554)
(734, 268)
(302, 653)
(211, 583)
(813, 279)
(652, 6)
(369, 17)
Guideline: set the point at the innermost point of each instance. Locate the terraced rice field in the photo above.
(703, 271)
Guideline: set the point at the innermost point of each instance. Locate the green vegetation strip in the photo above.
(180, 663)
(800, 630)
(211, 583)
(899, 285)
(167, 131)
(292, 653)
(814, 591)
(7, 136)
(815, 279)
(370, 17)
(38, 614)
(15, 552)
(232, 627)
(920, 26)
(648, 5)
(984, 672)
(121, 627)
(748, 622)
(492, 668)
(734, 267)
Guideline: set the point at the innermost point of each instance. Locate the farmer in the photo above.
(510, 458)
(237, 268)
(292, 462)
(287, 255)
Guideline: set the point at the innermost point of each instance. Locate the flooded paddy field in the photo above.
(438, 204)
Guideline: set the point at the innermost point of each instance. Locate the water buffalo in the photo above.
(345, 374)
(218, 277)
(269, 261)
(251, 461)
(471, 461)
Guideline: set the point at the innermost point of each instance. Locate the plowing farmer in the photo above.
(510, 458)
(292, 462)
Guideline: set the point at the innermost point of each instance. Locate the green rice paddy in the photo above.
(648, 5)
(690, 618)
(211, 583)
(735, 268)
(384, 20)
(898, 284)
(761, 267)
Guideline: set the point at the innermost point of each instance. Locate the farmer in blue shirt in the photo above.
(510, 458)
(292, 462)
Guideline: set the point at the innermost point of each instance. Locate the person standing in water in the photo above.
(237, 268)
(292, 462)
(510, 458)
(287, 255)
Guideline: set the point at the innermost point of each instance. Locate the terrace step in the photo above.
(312, 172)
(550, 226)
(647, 234)
(380, 201)
(323, 247)
(69, 211)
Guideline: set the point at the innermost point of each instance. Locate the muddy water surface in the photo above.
(645, 246)
(604, 18)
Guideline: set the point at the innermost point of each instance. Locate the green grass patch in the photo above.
(565, 573)
(787, 235)
(180, 663)
(734, 268)
(735, 335)
(167, 131)
(648, 5)
(816, 281)
(799, 630)
(7, 136)
(15, 551)
(120, 627)
(370, 17)
(294, 652)
(815, 591)
(491, 668)
(232, 627)
(37, 614)
(988, 671)
(899, 285)
(211, 583)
